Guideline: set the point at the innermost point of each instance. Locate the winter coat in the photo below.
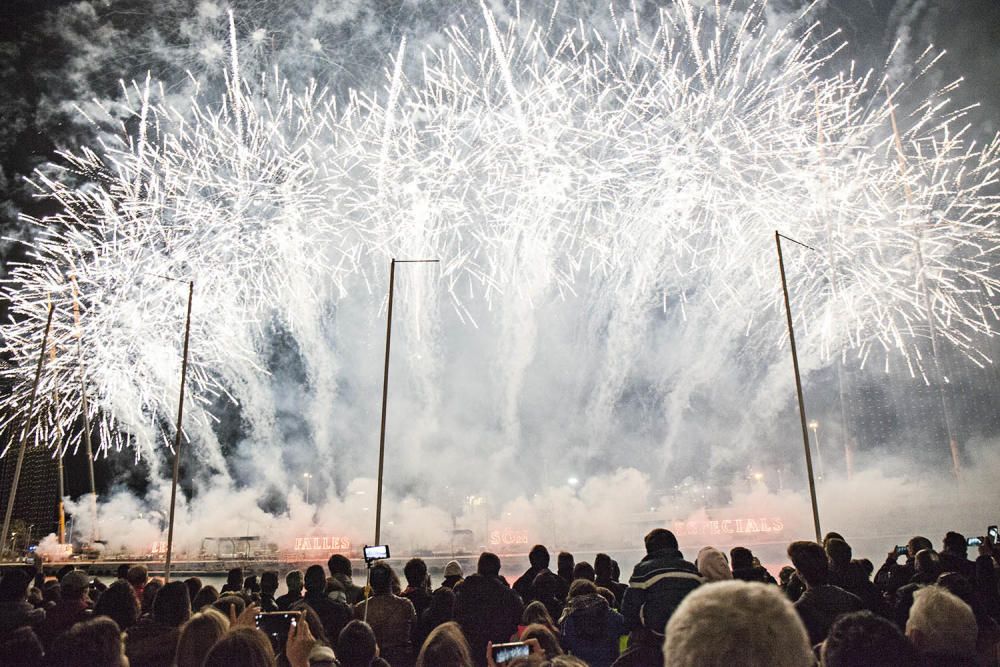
(333, 613)
(392, 619)
(487, 610)
(658, 584)
(820, 606)
(286, 601)
(16, 614)
(590, 630)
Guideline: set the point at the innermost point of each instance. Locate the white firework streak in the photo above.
(652, 167)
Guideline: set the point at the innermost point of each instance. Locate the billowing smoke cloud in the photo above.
(493, 409)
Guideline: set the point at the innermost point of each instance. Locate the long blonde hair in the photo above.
(198, 635)
(445, 646)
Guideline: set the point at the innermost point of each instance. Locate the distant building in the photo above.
(37, 501)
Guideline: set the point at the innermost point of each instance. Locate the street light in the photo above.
(306, 476)
(385, 387)
(814, 427)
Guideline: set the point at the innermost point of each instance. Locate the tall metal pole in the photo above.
(385, 387)
(385, 404)
(59, 455)
(177, 437)
(85, 410)
(24, 432)
(798, 390)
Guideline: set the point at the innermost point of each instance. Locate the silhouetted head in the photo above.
(415, 572)
(855, 639)
(955, 543)
(660, 539)
(839, 552)
(603, 567)
(565, 563)
(356, 646)
(584, 570)
(269, 582)
(122, 571)
(489, 564)
(381, 578)
(206, 596)
(293, 580)
(247, 647)
(172, 606)
(339, 564)
(315, 579)
(194, 585)
(235, 578)
(14, 585)
(926, 561)
(741, 558)
(445, 646)
(810, 562)
(95, 643)
(538, 556)
(119, 604)
(137, 576)
(917, 543)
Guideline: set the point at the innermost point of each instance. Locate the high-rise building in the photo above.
(37, 501)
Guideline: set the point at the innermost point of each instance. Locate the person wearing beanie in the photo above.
(452, 574)
(75, 606)
(713, 565)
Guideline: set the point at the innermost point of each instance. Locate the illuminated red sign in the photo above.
(323, 543)
(508, 537)
(729, 526)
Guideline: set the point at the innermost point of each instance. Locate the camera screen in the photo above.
(974, 541)
(275, 625)
(506, 652)
(377, 552)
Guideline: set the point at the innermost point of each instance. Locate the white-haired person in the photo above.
(736, 623)
(942, 628)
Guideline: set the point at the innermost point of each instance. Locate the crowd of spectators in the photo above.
(826, 608)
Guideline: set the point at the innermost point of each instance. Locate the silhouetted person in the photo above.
(268, 587)
(955, 556)
(745, 569)
(341, 571)
(584, 570)
(486, 609)
(392, 618)
(293, 581)
(590, 627)
(658, 583)
(118, 603)
(194, 586)
(862, 638)
(453, 574)
(604, 571)
(893, 574)
(538, 560)
(95, 643)
(821, 604)
(441, 610)
(333, 613)
(152, 642)
(234, 581)
(418, 585)
(15, 610)
(74, 606)
(356, 646)
(564, 567)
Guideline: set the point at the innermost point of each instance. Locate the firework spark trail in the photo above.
(651, 168)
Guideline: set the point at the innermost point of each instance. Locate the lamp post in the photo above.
(385, 387)
(814, 427)
(306, 476)
(798, 383)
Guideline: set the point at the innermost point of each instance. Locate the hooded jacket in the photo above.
(590, 629)
(658, 584)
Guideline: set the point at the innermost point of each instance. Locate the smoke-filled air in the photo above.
(604, 335)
